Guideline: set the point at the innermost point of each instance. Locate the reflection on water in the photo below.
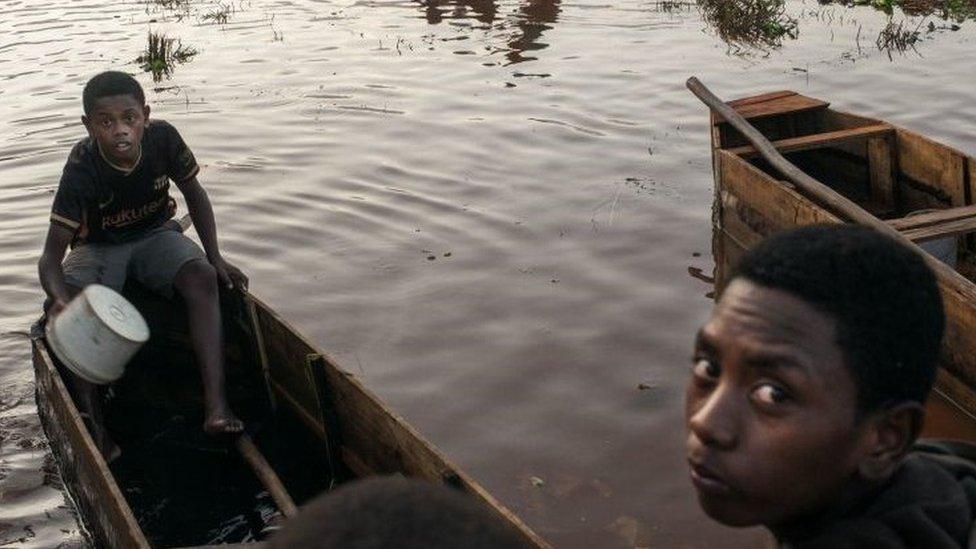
(531, 21)
(520, 31)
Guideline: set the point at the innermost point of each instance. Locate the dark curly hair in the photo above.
(110, 83)
(882, 295)
(396, 512)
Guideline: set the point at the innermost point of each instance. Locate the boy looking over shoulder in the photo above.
(807, 392)
(112, 207)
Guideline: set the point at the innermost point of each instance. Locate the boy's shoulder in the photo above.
(81, 160)
(931, 497)
(159, 128)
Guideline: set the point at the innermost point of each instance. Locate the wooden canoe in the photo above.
(319, 427)
(887, 170)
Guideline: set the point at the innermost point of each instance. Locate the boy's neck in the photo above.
(126, 170)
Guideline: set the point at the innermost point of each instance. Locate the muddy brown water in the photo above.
(488, 211)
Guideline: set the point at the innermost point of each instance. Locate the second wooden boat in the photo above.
(924, 189)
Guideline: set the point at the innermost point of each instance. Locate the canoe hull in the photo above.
(102, 507)
(346, 431)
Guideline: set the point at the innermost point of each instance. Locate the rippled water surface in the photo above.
(488, 211)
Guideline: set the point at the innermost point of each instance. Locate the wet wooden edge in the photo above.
(397, 446)
(103, 508)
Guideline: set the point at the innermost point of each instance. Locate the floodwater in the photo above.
(490, 212)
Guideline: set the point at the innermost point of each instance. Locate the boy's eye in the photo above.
(769, 394)
(706, 369)
(106, 122)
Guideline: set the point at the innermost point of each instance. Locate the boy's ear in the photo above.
(145, 114)
(85, 120)
(891, 434)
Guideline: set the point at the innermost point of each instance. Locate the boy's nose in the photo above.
(713, 423)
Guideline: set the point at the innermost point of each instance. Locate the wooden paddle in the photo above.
(820, 192)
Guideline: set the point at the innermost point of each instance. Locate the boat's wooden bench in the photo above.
(819, 140)
(773, 104)
(937, 224)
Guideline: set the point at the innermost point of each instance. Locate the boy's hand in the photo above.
(229, 275)
(55, 308)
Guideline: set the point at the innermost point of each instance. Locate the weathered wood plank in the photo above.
(881, 170)
(937, 224)
(819, 140)
(761, 98)
(756, 203)
(838, 120)
(930, 168)
(955, 227)
(773, 104)
(955, 398)
(99, 500)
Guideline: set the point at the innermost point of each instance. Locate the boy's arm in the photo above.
(49, 266)
(203, 219)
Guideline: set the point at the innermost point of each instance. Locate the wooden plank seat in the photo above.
(819, 140)
(772, 104)
(937, 224)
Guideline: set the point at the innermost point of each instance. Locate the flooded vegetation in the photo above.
(162, 54)
(545, 154)
(749, 26)
(750, 23)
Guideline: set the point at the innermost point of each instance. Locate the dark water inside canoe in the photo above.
(495, 213)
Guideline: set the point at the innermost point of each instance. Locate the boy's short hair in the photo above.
(396, 512)
(110, 83)
(884, 298)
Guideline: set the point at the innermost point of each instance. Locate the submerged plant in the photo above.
(161, 54)
(752, 23)
(897, 38)
(219, 15)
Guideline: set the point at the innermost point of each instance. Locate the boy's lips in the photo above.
(707, 480)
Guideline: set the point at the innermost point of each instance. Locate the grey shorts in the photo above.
(153, 260)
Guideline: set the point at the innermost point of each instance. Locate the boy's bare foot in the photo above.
(110, 450)
(222, 423)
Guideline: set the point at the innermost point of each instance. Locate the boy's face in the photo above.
(770, 410)
(117, 122)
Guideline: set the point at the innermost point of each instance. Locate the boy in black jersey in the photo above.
(112, 208)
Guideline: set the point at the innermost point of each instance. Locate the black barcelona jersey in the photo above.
(102, 203)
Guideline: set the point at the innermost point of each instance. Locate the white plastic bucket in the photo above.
(97, 333)
(944, 249)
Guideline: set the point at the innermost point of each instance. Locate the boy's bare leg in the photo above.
(88, 399)
(197, 283)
